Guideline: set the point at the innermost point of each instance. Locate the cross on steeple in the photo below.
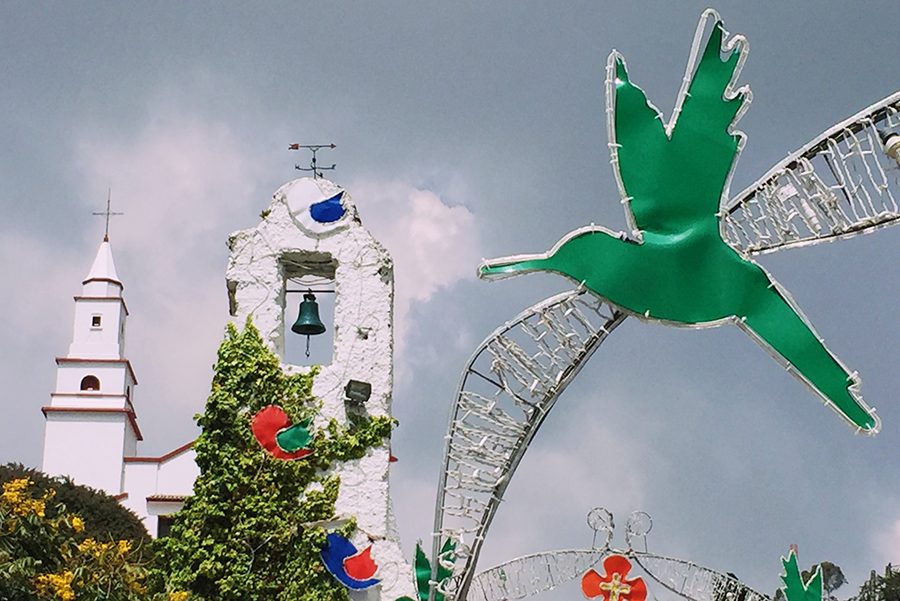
(108, 214)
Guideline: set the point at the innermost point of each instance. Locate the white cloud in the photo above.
(184, 183)
(887, 543)
(434, 245)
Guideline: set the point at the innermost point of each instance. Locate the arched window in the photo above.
(90, 383)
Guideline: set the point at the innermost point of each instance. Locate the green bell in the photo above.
(308, 322)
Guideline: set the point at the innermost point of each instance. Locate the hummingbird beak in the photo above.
(507, 267)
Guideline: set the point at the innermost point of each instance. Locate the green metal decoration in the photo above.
(676, 268)
(795, 589)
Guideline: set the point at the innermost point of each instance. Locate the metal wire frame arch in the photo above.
(885, 112)
(464, 577)
(688, 584)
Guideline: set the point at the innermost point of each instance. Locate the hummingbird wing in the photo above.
(673, 177)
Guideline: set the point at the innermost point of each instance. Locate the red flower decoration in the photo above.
(615, 586)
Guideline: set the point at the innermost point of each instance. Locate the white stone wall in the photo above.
(105, 341)
(88, 447)
(283, 244)
(113, 378)
(167, 476)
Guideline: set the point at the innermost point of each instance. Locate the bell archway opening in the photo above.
(308, 308)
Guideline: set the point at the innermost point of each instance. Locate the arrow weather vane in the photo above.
(107, 213)
(314, 148)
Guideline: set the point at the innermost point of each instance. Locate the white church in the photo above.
(91, 432)
(311, 232)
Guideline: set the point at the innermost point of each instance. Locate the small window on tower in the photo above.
(90, 383)
(95, 321)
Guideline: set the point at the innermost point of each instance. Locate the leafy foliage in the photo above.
(832, 576)
(246, 532)
(45, 553)
(104, 517)
(881, 587)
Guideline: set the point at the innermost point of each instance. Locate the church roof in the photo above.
(103, 268)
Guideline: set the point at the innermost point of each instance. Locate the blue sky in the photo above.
(464, 130)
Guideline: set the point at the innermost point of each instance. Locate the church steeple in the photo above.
(91, 423)
(103, 269)
(100, 311)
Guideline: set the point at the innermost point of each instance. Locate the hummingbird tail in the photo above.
(777, 325)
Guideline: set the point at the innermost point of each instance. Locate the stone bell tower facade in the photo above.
(312, 229)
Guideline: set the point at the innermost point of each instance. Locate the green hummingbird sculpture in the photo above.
(676, 268)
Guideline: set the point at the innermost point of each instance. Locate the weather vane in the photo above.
(314, 148)
(107, 213)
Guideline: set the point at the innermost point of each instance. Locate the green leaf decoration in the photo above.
(422, 569)
(795, 589)
(296, 437)
(447, 556)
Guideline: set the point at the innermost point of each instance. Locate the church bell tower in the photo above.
(90, 422)
(312, 232)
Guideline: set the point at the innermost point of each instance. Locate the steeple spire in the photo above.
(103, 268)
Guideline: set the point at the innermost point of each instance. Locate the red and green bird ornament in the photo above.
(675, 267)
(279, 436)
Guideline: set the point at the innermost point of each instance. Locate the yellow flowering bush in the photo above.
(43, 555)
(16, 496)
(56, 586)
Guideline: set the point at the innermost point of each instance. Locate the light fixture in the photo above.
(357, 392)
(891, 141)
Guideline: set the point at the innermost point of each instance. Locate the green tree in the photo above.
(104, 517)
(247, 532)
(881, 587)
(832, 577)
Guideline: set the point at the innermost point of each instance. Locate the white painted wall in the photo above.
(363, 342)
(113, 377)
(173, 476)
(177, 475)
(88, 447)
(105, 341)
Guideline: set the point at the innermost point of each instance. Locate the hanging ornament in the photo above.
(354, 569)
(615, 585)
(280, 437)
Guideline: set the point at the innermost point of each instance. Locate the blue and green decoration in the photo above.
(675, 267)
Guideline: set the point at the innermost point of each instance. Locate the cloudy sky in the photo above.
(464, 130)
